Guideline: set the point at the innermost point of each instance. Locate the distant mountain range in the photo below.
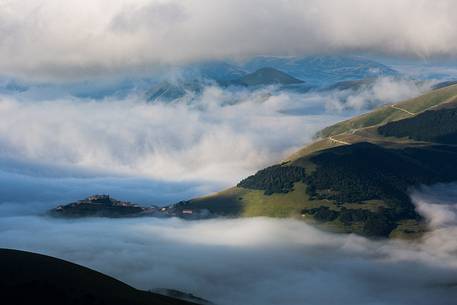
(30, 278)
(444, 84)
(299, 74)
(357, 175)
(172, 90)
(323, 70)
(266, 76)
(168, 91)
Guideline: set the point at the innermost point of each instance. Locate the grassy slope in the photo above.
(241, 202)
(364, 127)
(246, 202)
(30, 278)
(387, 113)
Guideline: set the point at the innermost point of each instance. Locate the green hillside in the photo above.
(30, 278)
(357, 176)
(430, 126)
(395, 112)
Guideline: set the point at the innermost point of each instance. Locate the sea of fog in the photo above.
(60, 149)
(259, 260)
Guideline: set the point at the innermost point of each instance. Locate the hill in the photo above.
(167, 91)
(388, 113)
(357, 175)
(215, 70)
(444, 84)
(267, 76)
(296, 74)
(30, 278)
(323, 70)
(103, 206)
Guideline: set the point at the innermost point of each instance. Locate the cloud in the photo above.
(253, 261)
(57, 148)
(215, 138)
(383, 90)
(62, 149)
(33, 194)
(208, 140)
(54, 40)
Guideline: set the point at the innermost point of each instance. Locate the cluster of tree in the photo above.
(438, 126)
(321, 213)
(360, 172)
(378, 223)
(274, 179)
(364, 171)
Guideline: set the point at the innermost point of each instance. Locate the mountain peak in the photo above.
(268, 76)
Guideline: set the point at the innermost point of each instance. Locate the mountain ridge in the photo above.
(267, 76)
(352, 178)
(324, 72)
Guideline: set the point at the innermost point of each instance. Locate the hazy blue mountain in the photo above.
(351, 84)
(323, 70)
(11, 85)
(444, 84)
(192, 79)
(171, 83)
(213, 70)
(298, 74)
(267, 76)
(168, 91)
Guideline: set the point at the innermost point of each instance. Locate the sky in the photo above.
(55, 40)
(61, 142)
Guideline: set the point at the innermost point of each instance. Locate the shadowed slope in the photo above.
(29, 278)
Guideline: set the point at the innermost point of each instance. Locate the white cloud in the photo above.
(253, 261)
(54, 151)
(213, 140)
(204, 141)
(72, 39)
(382, 91)
(65, 148)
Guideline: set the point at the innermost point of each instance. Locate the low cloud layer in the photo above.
(382, 91)
(220, 136)
(73, 39)
(61, 149)
(65, 148)
(259, 260)
(56, 148)
(202, 141)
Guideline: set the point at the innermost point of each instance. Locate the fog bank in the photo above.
(258, 260)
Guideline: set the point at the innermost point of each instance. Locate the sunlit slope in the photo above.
(358, 180)
(394, 112)
(365, 127)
